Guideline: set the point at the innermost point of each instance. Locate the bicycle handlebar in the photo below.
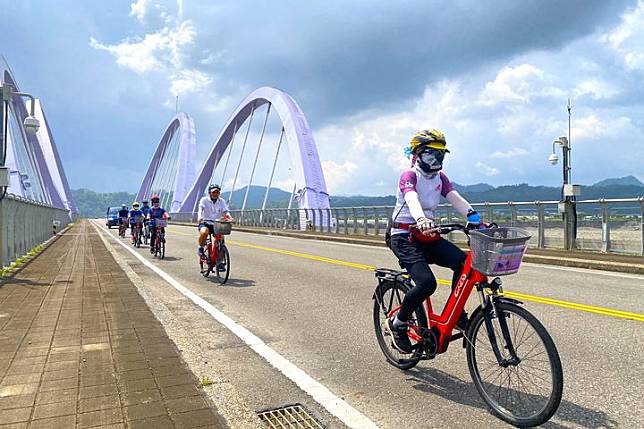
(446, 228)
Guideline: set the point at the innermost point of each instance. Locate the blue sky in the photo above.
(494, 76)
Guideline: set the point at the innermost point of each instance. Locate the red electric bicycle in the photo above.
(215, 257)
(512, 359)
(158, 245)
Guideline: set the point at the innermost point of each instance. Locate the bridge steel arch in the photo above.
(41, 152)
(186, 160)
(309, 176)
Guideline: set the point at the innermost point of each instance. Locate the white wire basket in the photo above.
(161, 223)
(222, 227)
(498, 251)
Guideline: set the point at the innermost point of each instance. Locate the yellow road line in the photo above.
(304, 255)
(520, 296)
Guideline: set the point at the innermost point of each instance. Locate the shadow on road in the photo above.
(172, 258)
(10, 280)
(440, 383)
(239, 283)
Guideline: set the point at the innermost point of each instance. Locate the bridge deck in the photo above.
(79, 347)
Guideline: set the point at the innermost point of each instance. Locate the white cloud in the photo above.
(139, 9)
(154, 51)
(486, 169)
(337, 174)
(162, 51)
(597, 89)
(511, 153)
(512, 84)
(186, 81)
(628, 38)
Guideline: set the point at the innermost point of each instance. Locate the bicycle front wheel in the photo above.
(389, 296)
(162, 246)
(223, 265)
(525, 393)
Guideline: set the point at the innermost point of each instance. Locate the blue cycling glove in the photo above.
(473, 217)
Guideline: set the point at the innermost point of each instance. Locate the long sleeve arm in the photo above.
(415, 208)
(458, 202)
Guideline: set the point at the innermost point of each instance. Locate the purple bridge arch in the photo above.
(183, 127)
(36, 170)
(306, 166)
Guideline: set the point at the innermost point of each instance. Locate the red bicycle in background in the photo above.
(511, 357)
(158, 244)
(215, 257)
(137, 230)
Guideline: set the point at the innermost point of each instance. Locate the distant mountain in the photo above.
(478, 187)
(93, 204)
(276, 197)
(620, 181)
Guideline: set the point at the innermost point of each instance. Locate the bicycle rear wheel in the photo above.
(138, 237)
(524, 394)
(162, 245)
(388, 296)
(205, 262)
(223, 265)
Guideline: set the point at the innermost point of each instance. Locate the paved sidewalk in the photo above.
(80, 348)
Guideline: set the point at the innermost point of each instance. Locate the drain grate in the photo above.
(292, 416)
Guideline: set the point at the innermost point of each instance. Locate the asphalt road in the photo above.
(318, 315)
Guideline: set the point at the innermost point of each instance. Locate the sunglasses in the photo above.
(429, 155)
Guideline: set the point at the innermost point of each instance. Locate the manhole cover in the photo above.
(292, 416)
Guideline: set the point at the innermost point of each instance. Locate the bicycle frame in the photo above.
(443, 324)
(214, 247)
(157, 236)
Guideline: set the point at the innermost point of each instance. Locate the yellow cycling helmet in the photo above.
(428, 138)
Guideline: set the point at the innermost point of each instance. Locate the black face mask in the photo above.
(431, 160)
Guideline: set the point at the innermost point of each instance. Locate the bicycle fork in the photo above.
(490, 312)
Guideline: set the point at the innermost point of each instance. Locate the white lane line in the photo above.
(320, 393)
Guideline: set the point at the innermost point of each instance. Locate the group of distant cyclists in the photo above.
(212, 208)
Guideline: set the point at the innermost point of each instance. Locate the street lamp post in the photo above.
(31, 125)
(569, 191)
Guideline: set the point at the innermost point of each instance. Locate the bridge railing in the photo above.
(24, 224)
(610, 225)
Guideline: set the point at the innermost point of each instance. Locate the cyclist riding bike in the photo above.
(211, 209)
(413, 239)
(156, 212)
(133, 215)
(146, 218)
(123, 215)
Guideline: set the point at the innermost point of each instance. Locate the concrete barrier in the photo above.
(25, 224)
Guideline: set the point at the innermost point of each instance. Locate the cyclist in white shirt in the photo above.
(211, 208)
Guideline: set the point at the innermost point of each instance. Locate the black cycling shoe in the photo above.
(399, 336)
(461, 325)
(221, 266)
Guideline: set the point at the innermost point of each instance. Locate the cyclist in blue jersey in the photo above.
(133, 215)
(156, 212)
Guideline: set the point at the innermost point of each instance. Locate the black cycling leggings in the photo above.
(443, 253)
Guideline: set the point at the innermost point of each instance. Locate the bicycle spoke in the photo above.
(523, 341)
(532, 356)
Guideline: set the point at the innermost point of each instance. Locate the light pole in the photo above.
(569, 191)
(31, 124)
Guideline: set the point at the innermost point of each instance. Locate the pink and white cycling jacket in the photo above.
(429, 190)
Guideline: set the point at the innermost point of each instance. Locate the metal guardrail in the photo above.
(605, 225)
(24, 224)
